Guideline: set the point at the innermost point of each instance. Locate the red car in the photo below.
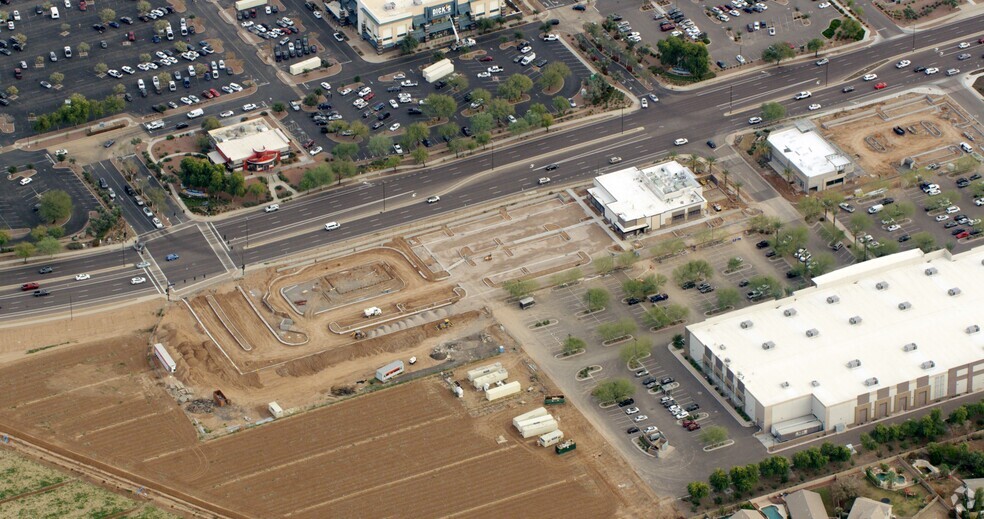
(486, 58)
(693, 426)
(368, 96)
(30, 286)
(82, 5)
(880, 86)
(214, 92)
(965, 234)
(207, 95)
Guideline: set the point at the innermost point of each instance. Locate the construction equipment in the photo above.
(359, 334)
(488, 258)
(554, 399)
(444, 324)
(219, 398)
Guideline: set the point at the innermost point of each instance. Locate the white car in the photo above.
(644, 103)
(331, 226)
(271, 208)
(931, 70)
(249, 107)
(26, 180)
(631, 410)
(963, 44)
(952, 209)
(902, 64)
(894, 227)
(394, 127)
(823, 5)
(650, 429)
(615, 160)
(157, 223)
(822, 62)
(741, 59)
(979, 202)
(433, 199)
(345, 91)
(802, 95)
(408, 83)
(870, 77)
(550, 37)
(186, 101)
(640, 418)
(399, 75)
(942, 218)
(114, 73)
(814, 106)
(143, 265)
(543, 180)
(236, 87)
(127, 69)
(398, 149)
(393, 103)
(364, 91)
(484, 74)
(325, 85)
(754, 120)
(138, 280)
(17, 15)
(227, 113)
(82, 277)
(61, 151)
(495, 69)
(680, 142)
(316, 151)
(360, 103)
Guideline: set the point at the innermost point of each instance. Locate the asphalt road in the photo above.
(704, 114)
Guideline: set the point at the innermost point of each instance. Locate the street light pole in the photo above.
(731, 99)
(384, 196)
(826, 73)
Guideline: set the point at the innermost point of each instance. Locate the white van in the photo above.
(966, 147)
(197, 112)
(54, 13)
(330, 226)
(140, 84)
(528, 59)
(875, 209)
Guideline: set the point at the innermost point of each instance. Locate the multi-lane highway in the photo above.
(208, 250)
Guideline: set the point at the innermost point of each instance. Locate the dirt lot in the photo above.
(934, 127)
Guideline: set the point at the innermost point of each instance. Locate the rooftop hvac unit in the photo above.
(854, 363)
(871, 381)
(928, 365)
(905, 305)
(727, 360)
(910, 347)
(931, 270)
(832, 299)
(855, 320)
(789, 312)
(973, 328)
(881, 285)
(784, 384)
(722, 347)
(815, 383)
(812, 332)
(953, 291)
(768, 345)
(747, 324)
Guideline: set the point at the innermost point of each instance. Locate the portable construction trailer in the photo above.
(275, 410)
(438, 70)
(389, 371)
(303, 66)
(242, 5)
(495, 393)
(538, 429)
(165, 358)
(491, 378)
(530, 422)
(483, 370)
(539, 411)
(550, 438)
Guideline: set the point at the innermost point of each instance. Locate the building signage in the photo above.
(442, 10)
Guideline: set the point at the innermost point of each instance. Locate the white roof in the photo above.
(808, 151)
(385, 11)
(936, 322)
(635, 193)
(238, 141)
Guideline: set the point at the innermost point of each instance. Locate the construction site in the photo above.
(243, 397)
(932, 128)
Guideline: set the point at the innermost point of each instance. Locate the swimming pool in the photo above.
(772, 512)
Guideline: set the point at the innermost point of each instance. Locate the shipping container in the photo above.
(550, 438)
(242, 5)
(303, 66)
(389, 371)
(438, 70)
(165, 358)
(539, 429)
(539, 411)
(491, 378)
(526, 302)
(495, 393)
(483, 370)
(530, 422)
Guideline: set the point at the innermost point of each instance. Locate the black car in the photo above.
(383, 116)
(518, 58)
(180, 126)
(427, 143)
(904, 238)
(792, 274)
(975, 176)
(45, 270)
(950, 225)
(615, 17)
(553, 21)
(919, 69)
(626, 403)
(377, 125)
(762, 244)
(770, 254)
(414, 111)
(666, 380)
(631, 430)
(128, 97)
(551, 167)
(466, 131)
(711, 144)
(440, 84)
(887, 201)
(129, 190)
(688, 285)
(633, 301)
(655, 298)
(691, 407)
(38, 9)
(722, 65)
(956, 231)
(962, 183)
(395, 89)
(898, 130)
(847, 89)
(103, 184)
(579, 7)
(705, 288)
(648, 380)
(743, 283)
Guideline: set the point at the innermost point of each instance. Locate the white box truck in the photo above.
(197, 112)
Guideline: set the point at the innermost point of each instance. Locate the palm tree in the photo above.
(710, 163)
(738, 184)
(788, 173)
(725, 173)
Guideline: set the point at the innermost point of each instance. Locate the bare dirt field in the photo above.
(934, 128)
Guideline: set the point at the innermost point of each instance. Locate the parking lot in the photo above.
(388, 83)
(17, 202)
(732, 38)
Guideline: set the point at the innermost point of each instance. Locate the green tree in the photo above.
(345, 150)
(616, 330)
(417, 132)
(483, 139)
(210, 123)
(714, 435)
(613, 390)
(101, 68)
(39, 232)
(359, 130)
(698, 490)
(692, 56)
(343, 169)
(604, 264)
(24, 250)
(573, 345)
(778, 51)
(789, 240)
(735, 263)
(635, 350)
(694, 270)
(12, 90)
(517, 288)
(500, 109)
(858, 223)
(311, 99)
(814, 46)
(811, 207)
(318, 176)
(596, 299)
(959, 416)
(519, 127)
(821, 264)
(409, 44)
(439, 106)
(55, 205)
(447, 131)
(48, 246)
(56, 78)
(561, 104)
(482, 123)
(4, 238)
(719, 479)
(514, 87)
(552, 76)
(278, 107)
(773, 111)
(457, 82)
(379, 145)
(727, 297)
(830, 199)
(420, 155)
(458, 145)
(107, 15)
